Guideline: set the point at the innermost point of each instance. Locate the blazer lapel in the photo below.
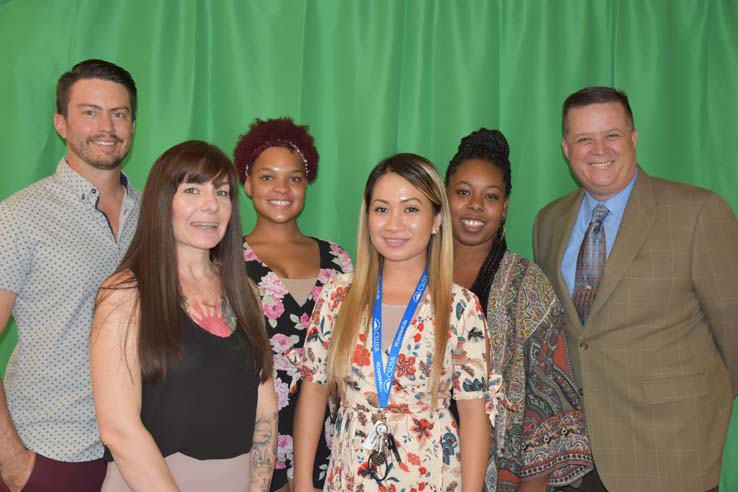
(561, 237)
(634, 228)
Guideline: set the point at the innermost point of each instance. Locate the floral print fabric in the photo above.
(427, 439)
(286, 324)
(540, 428)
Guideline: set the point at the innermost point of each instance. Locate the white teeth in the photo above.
(472, 223)
(600, 165)
(103, 142)
(280, 203)
(205, 224)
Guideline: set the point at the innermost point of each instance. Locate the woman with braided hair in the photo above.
(540, 438)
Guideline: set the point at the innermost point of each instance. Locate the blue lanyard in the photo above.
(385, 377)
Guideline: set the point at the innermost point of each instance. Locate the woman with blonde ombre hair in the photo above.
(396, 340)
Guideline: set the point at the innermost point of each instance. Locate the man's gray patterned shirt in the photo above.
(56, 248)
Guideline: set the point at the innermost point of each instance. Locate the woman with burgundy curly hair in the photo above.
(276, 160)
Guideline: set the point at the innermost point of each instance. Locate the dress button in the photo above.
(583, 345)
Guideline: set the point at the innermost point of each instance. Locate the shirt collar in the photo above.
(79, 186)
(615, 204)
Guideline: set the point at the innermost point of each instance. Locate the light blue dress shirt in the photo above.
(616, 205)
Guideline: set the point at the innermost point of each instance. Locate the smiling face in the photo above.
(277, 185)
(400, 220)
(200, 214)
(98, 126)
(478, 204)
(600, 147)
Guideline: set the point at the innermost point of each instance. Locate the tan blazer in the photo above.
(654, 362)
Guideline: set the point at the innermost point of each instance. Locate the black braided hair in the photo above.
(491, 146)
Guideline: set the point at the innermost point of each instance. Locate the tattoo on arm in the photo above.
(263, 453)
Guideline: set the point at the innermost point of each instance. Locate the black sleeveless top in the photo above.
(205, 406)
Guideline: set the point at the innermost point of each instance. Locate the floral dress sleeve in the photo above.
(470, 353)
(341, 257)
(319, 331)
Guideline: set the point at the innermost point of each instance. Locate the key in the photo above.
(376, 434)
(390, 443)
(379, 454)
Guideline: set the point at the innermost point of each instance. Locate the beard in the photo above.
(95, 156)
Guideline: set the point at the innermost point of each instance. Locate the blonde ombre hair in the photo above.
(356, 306)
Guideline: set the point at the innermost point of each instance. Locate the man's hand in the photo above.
(17, 471)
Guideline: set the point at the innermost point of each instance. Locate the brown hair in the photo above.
(595, 95)
(152, 260)
(94, 69)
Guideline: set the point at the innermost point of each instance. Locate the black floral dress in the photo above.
(286, 324)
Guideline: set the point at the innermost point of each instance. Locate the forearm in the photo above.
(16, 462)
(263, 452)
(139, 460)
(264, 445)
(12, 445)
(307, 428)
(535, 485)
(474, 432)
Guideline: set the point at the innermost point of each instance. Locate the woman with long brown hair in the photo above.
(394, 340)
(181, 369)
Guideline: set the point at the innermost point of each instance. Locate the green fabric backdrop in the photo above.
(375, 77)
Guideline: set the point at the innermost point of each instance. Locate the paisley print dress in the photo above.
(540, 427)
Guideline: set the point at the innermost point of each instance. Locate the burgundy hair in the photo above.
(277, 132)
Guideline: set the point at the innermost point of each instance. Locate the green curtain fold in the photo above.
(375, 77)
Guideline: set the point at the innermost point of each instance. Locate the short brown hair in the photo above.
(595, 95)
(94, 69)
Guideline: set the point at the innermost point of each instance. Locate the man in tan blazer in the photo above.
(657, 359)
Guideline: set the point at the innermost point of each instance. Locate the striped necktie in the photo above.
(590, 263)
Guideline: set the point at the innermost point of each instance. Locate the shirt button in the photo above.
(84, 197)
(93, 191)
(583, 345)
